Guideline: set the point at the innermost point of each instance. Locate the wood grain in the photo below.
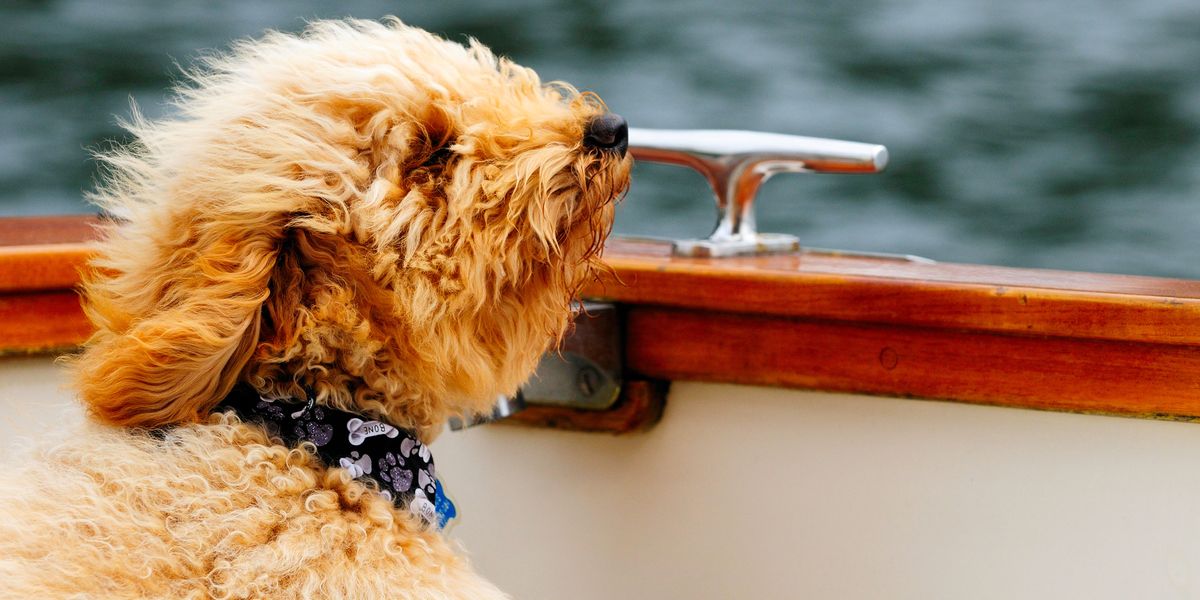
(45, 321)
(42, 267)
(1016, 337)
(1083, 375)
(896, 292)
(52, 230)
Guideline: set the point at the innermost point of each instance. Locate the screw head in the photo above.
(587, 380)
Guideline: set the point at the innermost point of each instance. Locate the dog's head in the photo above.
(395, 222)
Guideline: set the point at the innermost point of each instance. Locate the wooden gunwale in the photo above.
(1031, 338)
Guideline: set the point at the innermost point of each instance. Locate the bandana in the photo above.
(393, 457)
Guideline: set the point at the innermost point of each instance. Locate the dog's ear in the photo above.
(175, 325)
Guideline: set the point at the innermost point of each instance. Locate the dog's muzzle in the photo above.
(608, 132)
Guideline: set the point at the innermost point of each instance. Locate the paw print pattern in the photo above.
(411, 447)
(311, 428)
(392, 470)
(272, 410)
(425, 481)
(357, 464)
(395, 458)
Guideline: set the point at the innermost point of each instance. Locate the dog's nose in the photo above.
(608, 132)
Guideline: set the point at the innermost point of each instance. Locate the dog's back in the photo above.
(210, 511)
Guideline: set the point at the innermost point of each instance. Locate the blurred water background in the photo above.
(1036, 133)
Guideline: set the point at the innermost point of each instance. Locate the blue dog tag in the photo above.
(443, 504)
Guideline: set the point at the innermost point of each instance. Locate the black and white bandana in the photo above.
(393, 457)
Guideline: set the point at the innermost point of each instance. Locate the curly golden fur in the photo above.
(365, 210)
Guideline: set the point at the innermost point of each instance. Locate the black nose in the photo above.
(607, 132)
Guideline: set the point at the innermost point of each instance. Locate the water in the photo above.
(1027, 133)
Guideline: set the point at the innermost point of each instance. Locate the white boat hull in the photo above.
(744, 492)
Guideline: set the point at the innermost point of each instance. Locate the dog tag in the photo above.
(446, 511)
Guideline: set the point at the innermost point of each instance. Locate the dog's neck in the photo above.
(394, 458)
(337, 331)
(391, 402)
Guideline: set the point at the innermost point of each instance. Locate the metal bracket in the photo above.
(736, 163)
(505, 406)
(585, 373)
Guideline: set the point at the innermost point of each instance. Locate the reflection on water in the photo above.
(1026, 133)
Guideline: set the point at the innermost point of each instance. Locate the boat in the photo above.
(742, 417)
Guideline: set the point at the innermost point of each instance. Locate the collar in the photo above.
(368, 449)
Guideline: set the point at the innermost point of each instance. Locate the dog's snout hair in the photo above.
(365, 210)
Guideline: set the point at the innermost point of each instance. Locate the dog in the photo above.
(362, 220)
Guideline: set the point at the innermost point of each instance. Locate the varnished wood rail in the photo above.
(1056, 340)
